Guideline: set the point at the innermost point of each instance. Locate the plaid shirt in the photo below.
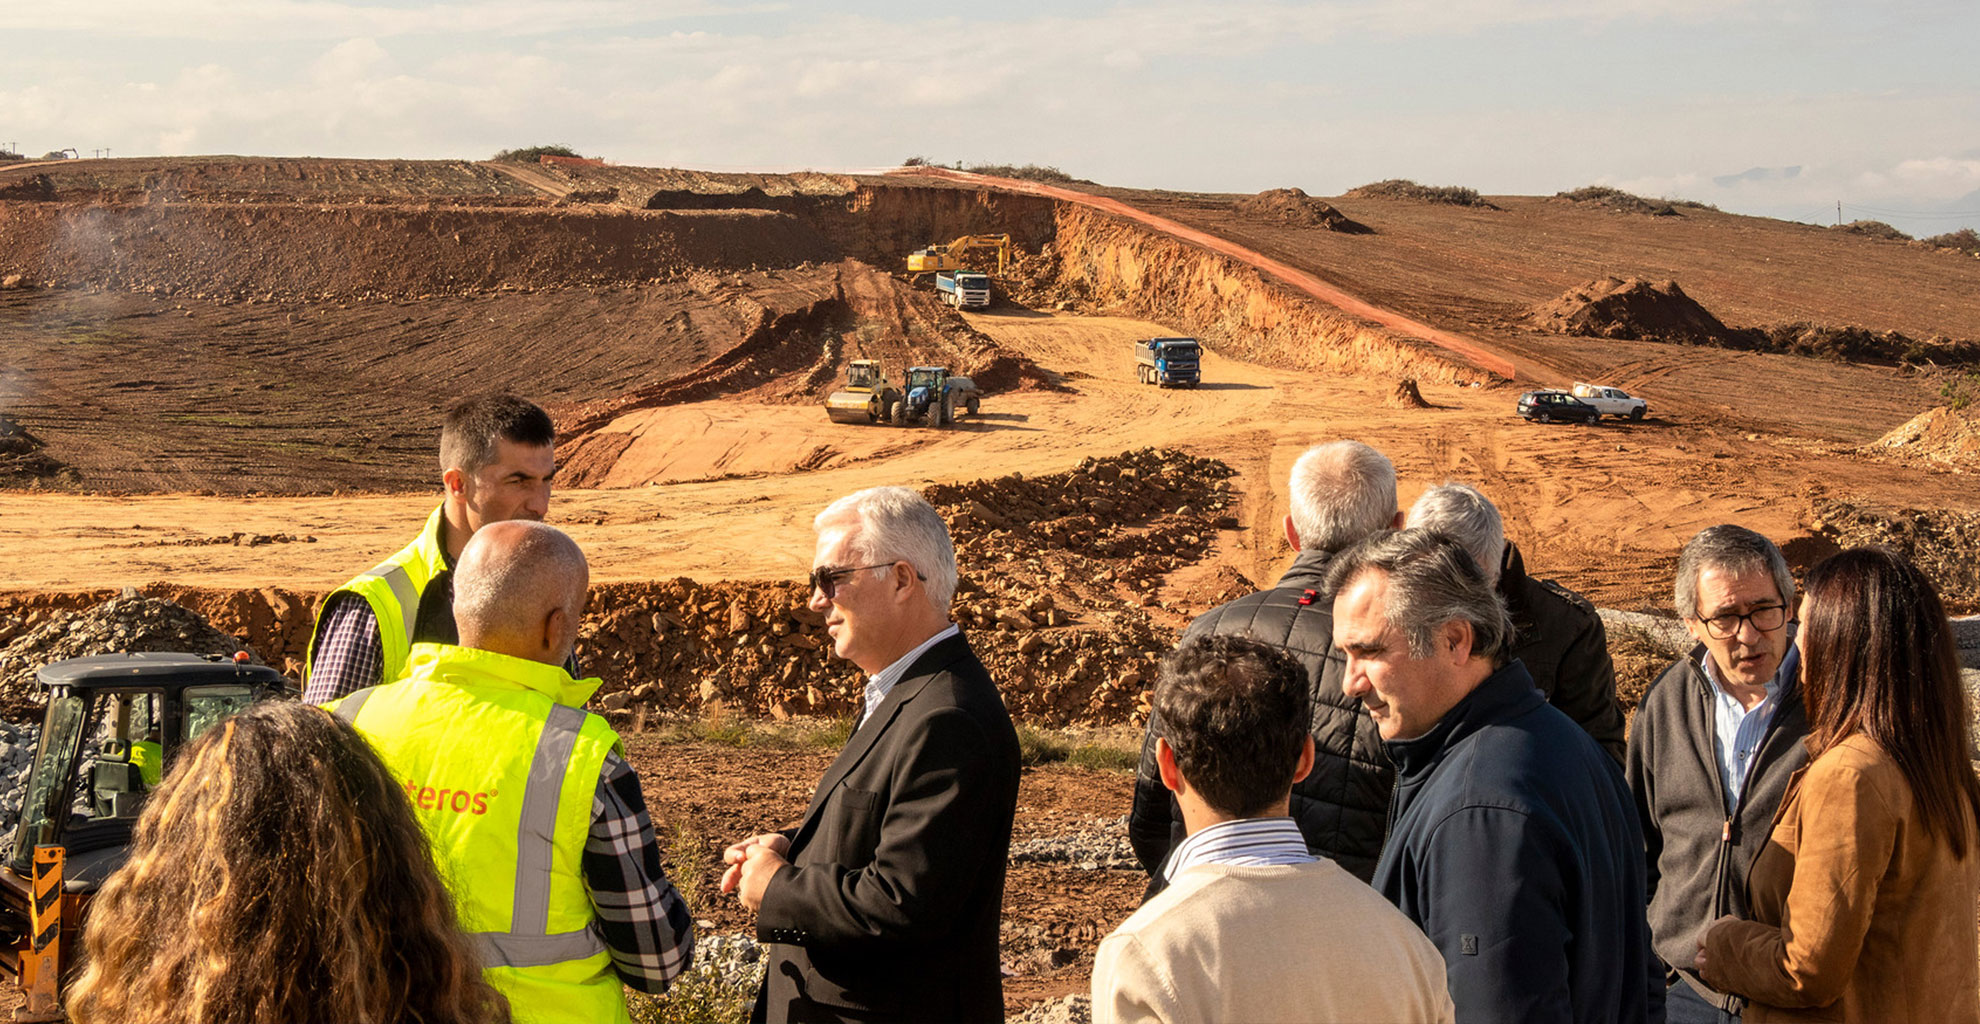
(645, 922)
(351, 656)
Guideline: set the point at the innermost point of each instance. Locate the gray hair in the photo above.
(897, 524)
(1731, 549)
(1460, 512)
(1433, 580)
(1342, 491)
(511, 572)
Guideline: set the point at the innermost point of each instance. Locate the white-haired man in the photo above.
(1342, 492)
(537, 821)
(1557, 634)
(884, 902)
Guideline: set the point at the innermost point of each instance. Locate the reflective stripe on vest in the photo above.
(393, 589)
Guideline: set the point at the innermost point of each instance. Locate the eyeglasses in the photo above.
(1765, 619)
(825, 579)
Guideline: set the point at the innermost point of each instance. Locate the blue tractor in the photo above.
(933, 396)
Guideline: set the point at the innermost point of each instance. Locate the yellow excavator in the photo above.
(957, 254)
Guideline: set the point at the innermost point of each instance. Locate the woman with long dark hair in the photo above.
(278, 875)
(1863, 899)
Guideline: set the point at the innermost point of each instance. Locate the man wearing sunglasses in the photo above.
(1713, 745)
(884, 902)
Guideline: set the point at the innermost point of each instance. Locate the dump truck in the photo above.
(108, 715)
(933, 396)
(1168, 362)
(866, 398)
(964, 289)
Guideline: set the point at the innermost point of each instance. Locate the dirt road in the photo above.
(1466, 348)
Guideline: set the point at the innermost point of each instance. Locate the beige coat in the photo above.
(1859, 912)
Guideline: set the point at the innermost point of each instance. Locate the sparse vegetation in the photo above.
(528, 155)
(1959, 391)
(1639, 657)
(1965, 240)
(1617, 199)
(734, 730)
(1403, 188)
(915, 161)
(700, 996)
(1872, 229)
(1040, 746)
(1029, 172)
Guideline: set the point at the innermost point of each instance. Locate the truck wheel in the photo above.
(974, 404)
(948, 411)
(1636, 413)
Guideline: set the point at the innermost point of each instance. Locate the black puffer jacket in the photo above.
(1342, 805)
(1560, 638)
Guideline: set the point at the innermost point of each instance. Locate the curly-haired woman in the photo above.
(278, 875)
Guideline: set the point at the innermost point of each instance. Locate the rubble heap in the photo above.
(1940, 541)
(129, 622)
(22, 456)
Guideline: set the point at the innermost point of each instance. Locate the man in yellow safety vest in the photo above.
(536, 819)
(497, 455)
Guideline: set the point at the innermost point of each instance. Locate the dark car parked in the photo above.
(1548, 406)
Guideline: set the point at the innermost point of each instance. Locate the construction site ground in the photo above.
(237, 365)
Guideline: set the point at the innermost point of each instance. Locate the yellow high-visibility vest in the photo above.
(392, 588)
(501, 767)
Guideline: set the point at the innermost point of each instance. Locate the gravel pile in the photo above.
(17, 743)
(1064, 1010)
(1102, 846)
(130, 622)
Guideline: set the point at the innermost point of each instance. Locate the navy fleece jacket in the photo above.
(1515, 846)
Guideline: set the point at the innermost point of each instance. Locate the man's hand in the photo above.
(759, 865)
(775, 842)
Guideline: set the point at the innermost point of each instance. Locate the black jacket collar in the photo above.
(1308, 571)
(1504, 694)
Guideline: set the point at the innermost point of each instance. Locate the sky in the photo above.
(1780, 108)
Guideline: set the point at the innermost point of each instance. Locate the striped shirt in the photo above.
(1249, 842)
(880, 683)
(1738, 731)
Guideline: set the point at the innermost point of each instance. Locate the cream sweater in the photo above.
(1305, 942)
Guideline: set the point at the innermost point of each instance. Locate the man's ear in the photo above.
(555, 626)
(1396, 521)
(454, 481)
(1292, 533)
(1454, 641)
(1165, 761)
(1305, 766)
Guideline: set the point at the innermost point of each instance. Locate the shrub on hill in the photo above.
(529, 154)
(1029, 172)
(1403, 188)
(1965, 240)
(1617, 199)
(1872, 229)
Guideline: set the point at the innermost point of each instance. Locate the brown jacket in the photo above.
(1859, 912)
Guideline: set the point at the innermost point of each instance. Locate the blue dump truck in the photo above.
(964, 289)
(1168, 362)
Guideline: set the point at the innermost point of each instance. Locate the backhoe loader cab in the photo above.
(85, 789)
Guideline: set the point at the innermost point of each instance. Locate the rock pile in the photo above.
(1631, 308)
(17, 746)
(1942, 542)
(1294, 206)
(1074, 1009)
(1101, 845)
(1057, 575)
(130, 622)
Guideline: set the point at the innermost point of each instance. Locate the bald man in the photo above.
(536, 819)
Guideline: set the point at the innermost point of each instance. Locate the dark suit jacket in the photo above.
(890, 905)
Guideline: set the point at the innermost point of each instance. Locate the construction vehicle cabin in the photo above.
(962, 285)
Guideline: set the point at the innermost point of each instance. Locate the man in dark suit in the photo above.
(884, 902)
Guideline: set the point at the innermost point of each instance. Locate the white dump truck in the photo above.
(1611, 401)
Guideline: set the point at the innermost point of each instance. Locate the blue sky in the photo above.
(1777, 107)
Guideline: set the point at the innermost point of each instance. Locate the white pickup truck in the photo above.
(1611, 401)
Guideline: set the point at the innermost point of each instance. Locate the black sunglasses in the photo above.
(825, 579)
